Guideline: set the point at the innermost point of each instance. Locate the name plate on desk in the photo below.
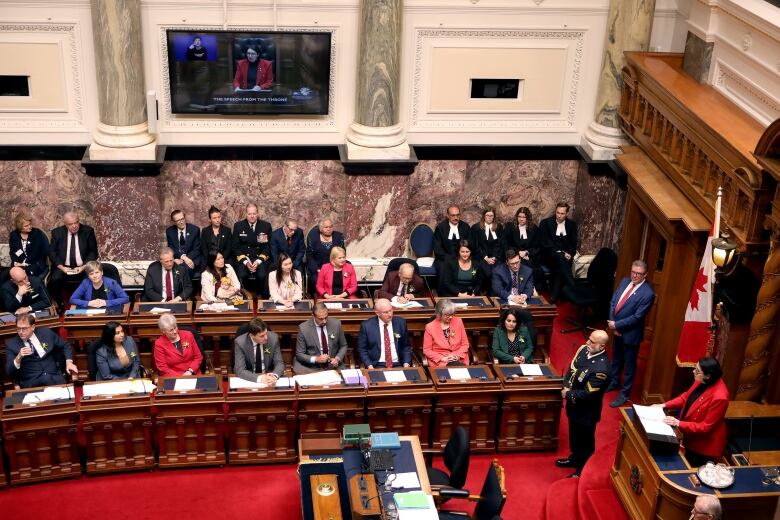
(176, 308)
(346, 305)
(190, 383)
(463, 374)
(527, 370)
(406, 375)
(268, 305)
(475, 301)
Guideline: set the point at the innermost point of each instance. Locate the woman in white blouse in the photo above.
(285, 284)
(218, 282)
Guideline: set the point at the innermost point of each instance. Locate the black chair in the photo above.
(395, 264)
(110, 271)
(205, 364)
(592, 295)
(490, 502)
(456, 458)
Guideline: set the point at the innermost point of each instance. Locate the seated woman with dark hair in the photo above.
(285, 284)
(117, 356)
(96, 292)
(487, 235)
(219, 282)
(464, 275)
(28, 247)
(512, 341)
(337, 280)
(702, 409)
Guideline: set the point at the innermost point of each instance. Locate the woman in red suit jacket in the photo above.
(702, 408)
(445, 341)
(264, 77)
(337, 280)
(176, 360)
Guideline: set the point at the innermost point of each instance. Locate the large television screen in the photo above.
(260, 73)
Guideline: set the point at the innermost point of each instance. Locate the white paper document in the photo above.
(159, 310)
(237, 382)
(408, 305)
(406, 480)
(351, 373)
(395, 376)
(185, 383)
(125, 386)
(90, 312)
(425, 261)
(217, 307)
(285, 382)
(51, 393)
(531, 369)
(460, 305)
(334, 306)
(459, 373)
(327, 377)
(652, 419)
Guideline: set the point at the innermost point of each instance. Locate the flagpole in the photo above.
(713, 280)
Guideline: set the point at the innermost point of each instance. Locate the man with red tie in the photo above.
(630, 304)
(166, 281)
(321, 344)
(383, 341)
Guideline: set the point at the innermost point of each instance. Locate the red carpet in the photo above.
(273, 492)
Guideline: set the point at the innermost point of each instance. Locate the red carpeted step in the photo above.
(561, 499)
(602, 504)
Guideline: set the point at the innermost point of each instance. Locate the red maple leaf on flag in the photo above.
(699, 286)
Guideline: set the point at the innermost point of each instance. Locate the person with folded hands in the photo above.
(97, 291)
(512, 341)
(383, 341)
(116, 356)
(513, 282)
(285, 284)
(445, 342)
(337, 280)
(258, 356)
(320, 344)
(463, 275)
(176, 352)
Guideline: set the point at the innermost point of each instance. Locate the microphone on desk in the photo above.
(430, 292)
(366, 287)
(750, 439)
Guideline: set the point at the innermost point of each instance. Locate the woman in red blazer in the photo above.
(702, 409)
(264, 77)
(445, 341)
(337, 280)
(175, 352)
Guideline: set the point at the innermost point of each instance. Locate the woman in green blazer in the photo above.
(512, 341)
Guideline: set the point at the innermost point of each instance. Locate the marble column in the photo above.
(376, 132)
(122, 133)
(629, 25)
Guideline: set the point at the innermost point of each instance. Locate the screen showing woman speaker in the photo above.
(228, 72)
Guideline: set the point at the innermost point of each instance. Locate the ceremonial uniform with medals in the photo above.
(250, 244)
(587, 380)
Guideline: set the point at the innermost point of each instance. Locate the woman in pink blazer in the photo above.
(175, 352)
(337, 280)
(445, 341)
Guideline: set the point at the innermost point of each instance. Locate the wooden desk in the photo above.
(41, 438)
(544, 314)
(326, 409)
(261, 425)
(117, 430)
(471, 403)
(144, 323)
(84, 328)
(403, 407)
(189, 423)
(215, 325)
(530, 409)
(658, 486)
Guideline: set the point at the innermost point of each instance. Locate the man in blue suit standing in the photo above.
(288, 239)
(513, 282)
(37, 355)
(630, 304)
(383, 341)
(184, 239)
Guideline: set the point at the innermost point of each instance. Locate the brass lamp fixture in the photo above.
(723, 251)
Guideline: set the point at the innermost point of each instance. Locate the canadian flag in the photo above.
(695, 335)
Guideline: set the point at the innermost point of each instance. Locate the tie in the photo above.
(72, 251)
(514, 281)
(29, 344)
(624, 298)
(388, 352)
(403, 289)
(181, 240)
(324, 340)
(289, 241)
(169, 288)
(259, 365)
(252, 226)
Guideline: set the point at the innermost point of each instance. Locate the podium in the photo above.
(41, 439)
(117, 428)
(404, 406)
(530, 410)
(471, 403)
(261, 425)
(189, 422)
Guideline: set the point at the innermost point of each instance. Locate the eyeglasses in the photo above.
(637, 273)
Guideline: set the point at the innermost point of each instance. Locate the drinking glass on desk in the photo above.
(770, 475)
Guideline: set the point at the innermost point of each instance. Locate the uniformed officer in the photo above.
(252, 247)
(583, 389)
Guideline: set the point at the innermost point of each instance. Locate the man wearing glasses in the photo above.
(513, 282)
(631, 302)
(583, 390)
(448, 235)
(37, 355)
(706, 507)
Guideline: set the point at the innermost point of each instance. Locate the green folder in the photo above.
(411, 500)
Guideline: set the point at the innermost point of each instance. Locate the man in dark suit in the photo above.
(216, 237)
(319, 242)
(513, 282)
(402, 285)
(448, 234)
(558, 239)
(184, 239)
(37, 355)
(72, 245)
(383, 341)
(258, 356)
(630, 304)
(166, 281)
(252, 247)
(321, 343)
(22, 294)
(583, 390)
(289, 239)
